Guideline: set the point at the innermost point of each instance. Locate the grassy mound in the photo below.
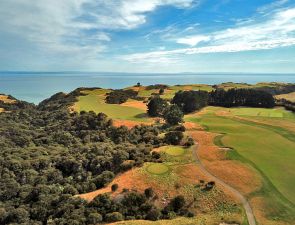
(175, 150)
(158, 168)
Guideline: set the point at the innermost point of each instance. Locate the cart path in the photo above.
(239, 195)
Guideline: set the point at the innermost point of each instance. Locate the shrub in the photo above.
(114, 217)
(177, 203)
(173, 137)
(114, 187)
(149, 192)
(153, 215)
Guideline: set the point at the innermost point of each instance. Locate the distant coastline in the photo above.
(37, 86)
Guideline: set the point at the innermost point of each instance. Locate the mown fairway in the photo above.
(94, 101)
(269, 148)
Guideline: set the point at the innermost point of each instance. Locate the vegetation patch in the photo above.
(174, 150)
(157, 168)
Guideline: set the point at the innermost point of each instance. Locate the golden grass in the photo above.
(289, 96)
(6, 99)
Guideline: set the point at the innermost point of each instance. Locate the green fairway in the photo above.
(157, 168)
(94, 101)
(174, 150)
(270, 150)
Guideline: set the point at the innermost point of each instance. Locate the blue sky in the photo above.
(148, 35)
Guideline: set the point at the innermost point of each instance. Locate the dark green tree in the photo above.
(173, 115)
(156, 106)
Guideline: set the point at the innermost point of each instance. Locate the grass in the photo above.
(157, 168)
(94, 101)
(175, 150)
(289, 96)
(265, 147)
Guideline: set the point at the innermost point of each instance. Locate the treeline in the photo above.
(241, 97)
(190, 101)
(48, 155)
(287, 104)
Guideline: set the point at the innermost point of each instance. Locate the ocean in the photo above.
(37, 86)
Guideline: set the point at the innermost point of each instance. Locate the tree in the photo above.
(149, 192)
(173, 115)
(156, 106)
(190, 101)
(177, 203)
(114, 187)
(173, 137)
(161, 91)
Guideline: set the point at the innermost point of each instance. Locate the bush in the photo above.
(149, 192)
(173, 137)
(189, 142)
(120, 96)
(153, 215)
(114, 217)
(177, 203)
(94, 218)
(114, 187)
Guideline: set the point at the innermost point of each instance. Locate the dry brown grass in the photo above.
(129, 123)
(232, 172)
(135, 104)
(6, 99)
(1, 110)
(131, 179)
(289, 96)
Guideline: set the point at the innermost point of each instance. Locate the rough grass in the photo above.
(289, 96)
(94, 101)
(6, 99)
(269, 150)
(174, 150)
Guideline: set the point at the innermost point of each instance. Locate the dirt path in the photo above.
(243, 200)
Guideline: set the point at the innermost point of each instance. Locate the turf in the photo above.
(157, 168)
(94, 101)
(269, 149)
(175, 150)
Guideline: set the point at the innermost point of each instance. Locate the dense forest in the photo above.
(49, 155)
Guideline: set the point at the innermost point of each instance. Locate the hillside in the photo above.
(98, 156)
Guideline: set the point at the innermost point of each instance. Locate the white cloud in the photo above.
(193, 40)
(64, 25)
(277, 31)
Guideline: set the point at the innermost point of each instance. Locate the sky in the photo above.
(149, 36)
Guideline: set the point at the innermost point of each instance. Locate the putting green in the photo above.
(174, 150)
(157, 168)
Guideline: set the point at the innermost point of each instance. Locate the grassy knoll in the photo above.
(94, 101)
(265, 147)
(157, 168)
